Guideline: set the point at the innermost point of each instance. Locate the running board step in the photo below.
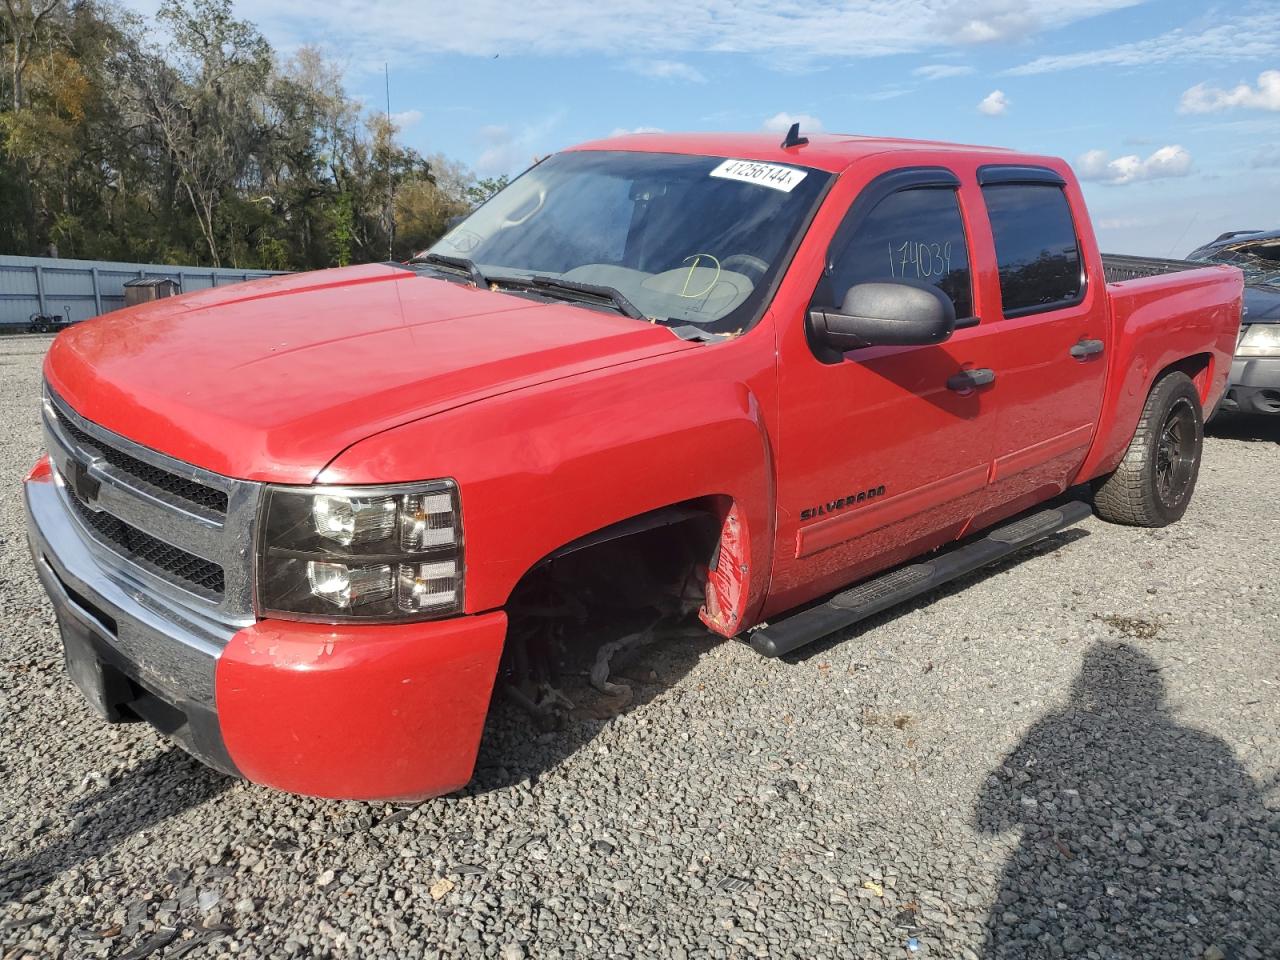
(872, 596)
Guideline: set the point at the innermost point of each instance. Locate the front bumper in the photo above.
(1254, 386)
(389, 712)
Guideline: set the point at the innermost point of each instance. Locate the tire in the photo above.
(1152, 487)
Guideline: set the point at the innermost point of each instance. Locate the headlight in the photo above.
(361, 553)
(1260, 340)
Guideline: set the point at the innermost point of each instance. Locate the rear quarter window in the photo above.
(1036, 247)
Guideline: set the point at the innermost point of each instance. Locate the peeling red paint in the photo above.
(727, 584)
(42, 472)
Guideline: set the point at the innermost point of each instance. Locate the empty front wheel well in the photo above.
(624, 581)
(669, 543)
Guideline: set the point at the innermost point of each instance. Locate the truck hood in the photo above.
(1261, 303)
(271, 380)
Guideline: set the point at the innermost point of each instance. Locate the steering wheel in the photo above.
(753, 268)
(529, 208)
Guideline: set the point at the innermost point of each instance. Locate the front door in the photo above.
(887, 449)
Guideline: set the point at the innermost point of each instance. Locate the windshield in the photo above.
(687, 240)
(1260, 260)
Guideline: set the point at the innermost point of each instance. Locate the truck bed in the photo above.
(1119, 266)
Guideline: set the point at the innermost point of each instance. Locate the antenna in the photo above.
(391, 201)
(793, 138)
(1173, 246)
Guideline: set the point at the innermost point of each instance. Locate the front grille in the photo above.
(150, 478)
(178, 529)
(201, 576)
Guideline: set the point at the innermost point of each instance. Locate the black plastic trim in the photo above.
(1018, 173)
(895, 181)
(889, 589)
(653, 520)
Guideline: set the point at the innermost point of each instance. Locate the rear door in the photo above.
(1050, 356)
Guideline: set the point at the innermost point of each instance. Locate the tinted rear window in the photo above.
(1036, 246)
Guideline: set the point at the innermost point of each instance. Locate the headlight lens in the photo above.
(361, 554)
(1260, 340)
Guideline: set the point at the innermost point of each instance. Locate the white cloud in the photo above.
(994, 104)
(1170, 161)
(666, 70)
(784, 32)
(1203, 98)
(941, 71)
(625, 131)
(406, 119)
(1250, 37)
(991, 21)
(508, 150)
(781, 123)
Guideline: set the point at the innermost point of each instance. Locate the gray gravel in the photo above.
(1075, 754)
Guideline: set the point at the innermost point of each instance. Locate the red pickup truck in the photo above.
(306, 526)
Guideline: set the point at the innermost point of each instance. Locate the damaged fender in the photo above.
(541, 468)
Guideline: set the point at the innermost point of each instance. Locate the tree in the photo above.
(207, 149)
(202, 102)
(24, 20)
(480, 191)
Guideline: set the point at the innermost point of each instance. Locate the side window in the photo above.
(1036, 246)
(915, 234)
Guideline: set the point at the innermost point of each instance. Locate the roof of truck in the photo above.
(832, 152)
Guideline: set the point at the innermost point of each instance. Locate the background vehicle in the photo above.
(656, 374)
(47, 322)
(1255, 373)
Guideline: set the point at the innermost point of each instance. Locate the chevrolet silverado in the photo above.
(307, 526)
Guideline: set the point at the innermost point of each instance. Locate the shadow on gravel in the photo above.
(1249, 427)
(1140, 837)
(144, 797)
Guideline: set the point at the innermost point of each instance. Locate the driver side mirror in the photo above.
(887, 313)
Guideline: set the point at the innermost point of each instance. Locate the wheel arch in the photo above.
(712, 526)
(1125, 399)
(1199, 367)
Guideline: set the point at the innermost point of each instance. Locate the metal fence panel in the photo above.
(80, 289)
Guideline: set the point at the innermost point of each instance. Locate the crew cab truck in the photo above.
(301, 525)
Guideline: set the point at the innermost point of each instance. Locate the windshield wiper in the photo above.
(454, 263)
(591, 293)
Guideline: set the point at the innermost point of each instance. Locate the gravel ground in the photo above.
(1075, 754)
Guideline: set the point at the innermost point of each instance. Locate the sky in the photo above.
(1169, 110)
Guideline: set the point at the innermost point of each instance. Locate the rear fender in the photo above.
(1183, 321)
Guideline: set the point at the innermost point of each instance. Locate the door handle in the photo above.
(969, 379)
(1087, 348)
